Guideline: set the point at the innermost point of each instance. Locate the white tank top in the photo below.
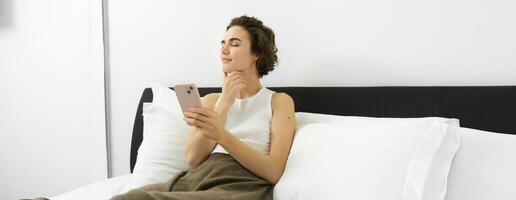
(249, 120)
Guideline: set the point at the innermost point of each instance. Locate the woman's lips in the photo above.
(226, 60)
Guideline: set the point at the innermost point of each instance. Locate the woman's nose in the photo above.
(224, 50)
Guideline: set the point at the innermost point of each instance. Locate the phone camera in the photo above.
(188, 91)
(191, 88)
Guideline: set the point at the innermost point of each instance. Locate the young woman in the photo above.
(240, 138)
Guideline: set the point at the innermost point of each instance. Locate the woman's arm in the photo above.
(198, 146)
(269, 167)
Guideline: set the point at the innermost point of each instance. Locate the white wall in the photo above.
(321, 43)
(52, 128)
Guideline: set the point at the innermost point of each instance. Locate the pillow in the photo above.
(161, 153)
(484, 167)
(343, 157)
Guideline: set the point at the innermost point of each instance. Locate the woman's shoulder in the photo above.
(212, 95)
(281, 99)
(210, 99)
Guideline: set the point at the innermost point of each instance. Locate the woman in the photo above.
(240, 138)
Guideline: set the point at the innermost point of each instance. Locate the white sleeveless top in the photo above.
(249, 120)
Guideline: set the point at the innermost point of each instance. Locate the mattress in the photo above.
(103, 189)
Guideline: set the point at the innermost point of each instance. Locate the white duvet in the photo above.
(483, 169)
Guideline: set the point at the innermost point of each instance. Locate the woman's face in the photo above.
(236, 52)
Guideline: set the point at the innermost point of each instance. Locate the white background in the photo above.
(321, 43)
(52, 124)
(51, 88)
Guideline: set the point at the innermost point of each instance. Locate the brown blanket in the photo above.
(219, 177)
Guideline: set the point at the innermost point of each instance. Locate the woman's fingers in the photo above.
(236, 82)
(195, 122)
(230, 81)
(233, 78)
(203, 111)
(199, 116)
(233, 84)
(241, 85)
(235, 72)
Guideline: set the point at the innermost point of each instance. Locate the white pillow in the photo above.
(339, 157)
(484, 167)
(161, 153)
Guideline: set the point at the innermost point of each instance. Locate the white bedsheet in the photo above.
(103, 189)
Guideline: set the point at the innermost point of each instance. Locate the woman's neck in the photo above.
(253, 87)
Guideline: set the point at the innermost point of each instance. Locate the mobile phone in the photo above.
(188, 96)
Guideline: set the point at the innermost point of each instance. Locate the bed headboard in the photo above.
(490, 108)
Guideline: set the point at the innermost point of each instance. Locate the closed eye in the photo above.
(233, 42)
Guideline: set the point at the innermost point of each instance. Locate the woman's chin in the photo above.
(227, 68)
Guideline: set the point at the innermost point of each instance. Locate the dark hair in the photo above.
(262, 42)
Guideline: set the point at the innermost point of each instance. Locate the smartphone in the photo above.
(188, 96)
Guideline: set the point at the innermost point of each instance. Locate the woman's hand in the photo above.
(206, 121)
(234, 82)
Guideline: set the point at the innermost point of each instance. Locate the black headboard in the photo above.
(490, 108)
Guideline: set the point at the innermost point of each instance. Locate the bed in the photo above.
(488, 108)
